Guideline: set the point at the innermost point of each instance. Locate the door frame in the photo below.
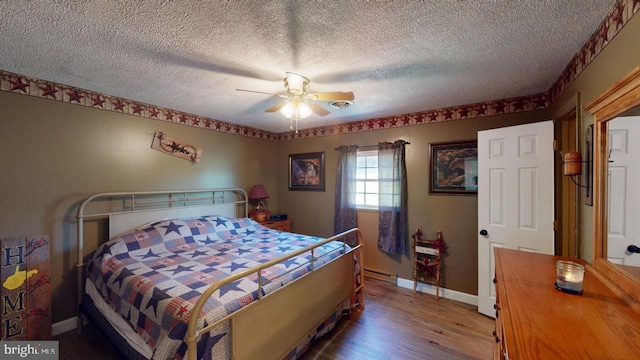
(567, 128)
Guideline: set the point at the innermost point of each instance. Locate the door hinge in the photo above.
(555, 145)
(556, 225)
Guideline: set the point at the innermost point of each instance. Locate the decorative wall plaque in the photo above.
(169, 145)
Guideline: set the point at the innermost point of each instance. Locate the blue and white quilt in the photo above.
(154, 276)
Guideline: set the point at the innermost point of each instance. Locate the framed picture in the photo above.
(454, 167)
(306, 171)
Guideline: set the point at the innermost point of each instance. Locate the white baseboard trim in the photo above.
(445, 293)
(63, 326)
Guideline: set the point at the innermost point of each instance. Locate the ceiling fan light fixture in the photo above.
(296, 110)
(303, 110)
(287, 109)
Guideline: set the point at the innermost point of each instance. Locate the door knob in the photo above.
(484, 232)
(633, 249)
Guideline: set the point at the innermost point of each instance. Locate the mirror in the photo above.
(616, 116)
(623, 198)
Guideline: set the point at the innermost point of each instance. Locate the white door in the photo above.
(515, 198)
(624, 170)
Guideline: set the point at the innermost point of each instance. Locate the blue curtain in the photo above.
(345, 202)
(393, 227)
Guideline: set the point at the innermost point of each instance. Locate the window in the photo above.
(367, 180)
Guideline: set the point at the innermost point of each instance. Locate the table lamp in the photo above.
(258, 194)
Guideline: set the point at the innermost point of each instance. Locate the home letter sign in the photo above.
(25, 296)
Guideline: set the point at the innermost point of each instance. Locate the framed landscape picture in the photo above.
(454, 167)
(306, 171)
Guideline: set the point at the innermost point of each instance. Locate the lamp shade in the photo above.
(296, 110)
(304, 110)
(258, 192)
(288, 109)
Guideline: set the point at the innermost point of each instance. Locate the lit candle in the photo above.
(569, 276)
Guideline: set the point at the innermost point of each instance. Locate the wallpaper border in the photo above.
(619, 15)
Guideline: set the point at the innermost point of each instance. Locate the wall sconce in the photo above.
(572, 163)
(572, 166)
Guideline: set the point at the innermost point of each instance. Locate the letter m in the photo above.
(7, 304)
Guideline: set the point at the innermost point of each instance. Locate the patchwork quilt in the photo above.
(153, 276)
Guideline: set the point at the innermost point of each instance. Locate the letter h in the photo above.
(8, 256)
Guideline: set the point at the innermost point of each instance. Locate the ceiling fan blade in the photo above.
(318, 109)
(327, 96)
(276, 107)
(265, 93)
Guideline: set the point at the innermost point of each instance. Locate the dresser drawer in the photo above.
(280, 225)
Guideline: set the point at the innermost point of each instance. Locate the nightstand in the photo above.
(280, 225)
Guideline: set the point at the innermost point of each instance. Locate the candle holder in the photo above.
(569, 277)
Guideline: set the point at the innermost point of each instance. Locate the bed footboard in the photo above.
(291, 312)
(278, 321)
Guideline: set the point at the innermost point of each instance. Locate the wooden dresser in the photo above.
(280, 225)
(536, 321)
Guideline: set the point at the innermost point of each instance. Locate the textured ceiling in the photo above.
(397, 57)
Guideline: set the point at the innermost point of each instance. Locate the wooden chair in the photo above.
(427, 259)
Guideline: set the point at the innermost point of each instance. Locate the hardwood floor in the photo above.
(394, 325)
(399, 325)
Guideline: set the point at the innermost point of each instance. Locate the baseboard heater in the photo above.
(381, 275)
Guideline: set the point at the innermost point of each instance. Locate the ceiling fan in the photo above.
(298, 103)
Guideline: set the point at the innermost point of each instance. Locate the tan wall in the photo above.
(616, 60)
(54, 154)
(455, 215)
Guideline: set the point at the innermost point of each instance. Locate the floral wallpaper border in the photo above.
(619, 15)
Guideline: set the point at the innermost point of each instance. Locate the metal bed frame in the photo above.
(277, 321)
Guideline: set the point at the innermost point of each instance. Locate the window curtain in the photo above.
(345, 203)
(392, 172)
